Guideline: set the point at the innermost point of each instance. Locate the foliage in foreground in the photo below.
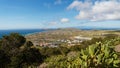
(98, 55)
(16, 52)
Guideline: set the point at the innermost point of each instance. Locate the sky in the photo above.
(35, 14)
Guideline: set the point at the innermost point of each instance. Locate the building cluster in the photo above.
(75, 40)
(70, 42)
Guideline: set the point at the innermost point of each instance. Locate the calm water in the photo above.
(22, 32)
(29, 31)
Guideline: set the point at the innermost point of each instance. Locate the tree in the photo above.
(10, 44)
(11, 50)
(4, 59)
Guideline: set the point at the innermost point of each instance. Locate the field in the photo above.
(68, 34)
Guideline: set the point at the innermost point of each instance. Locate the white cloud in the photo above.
(78, 5)
(64, 20)
(101, 10)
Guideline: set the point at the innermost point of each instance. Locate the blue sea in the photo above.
(22, 31)
(29, 31)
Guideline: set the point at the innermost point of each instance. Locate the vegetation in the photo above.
(17, 52)
(99, 55)
(68, 33)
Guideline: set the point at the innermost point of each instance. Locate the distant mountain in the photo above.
(95, 28)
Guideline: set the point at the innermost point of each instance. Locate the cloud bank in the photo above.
(96, 11)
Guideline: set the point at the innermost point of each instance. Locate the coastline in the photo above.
(26, 32)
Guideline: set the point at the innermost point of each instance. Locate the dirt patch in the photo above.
(117, 48)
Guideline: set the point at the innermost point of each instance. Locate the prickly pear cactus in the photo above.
(99, 55)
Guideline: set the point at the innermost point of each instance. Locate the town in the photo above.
(69, 42)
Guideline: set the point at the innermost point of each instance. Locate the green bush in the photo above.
(99, 55)
(16, 52)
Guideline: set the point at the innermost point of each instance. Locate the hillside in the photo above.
(16, 51)
(67, 34)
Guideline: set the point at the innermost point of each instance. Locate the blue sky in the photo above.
(29, 14)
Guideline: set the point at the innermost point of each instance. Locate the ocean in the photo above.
(22, 31)
(29, 31)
